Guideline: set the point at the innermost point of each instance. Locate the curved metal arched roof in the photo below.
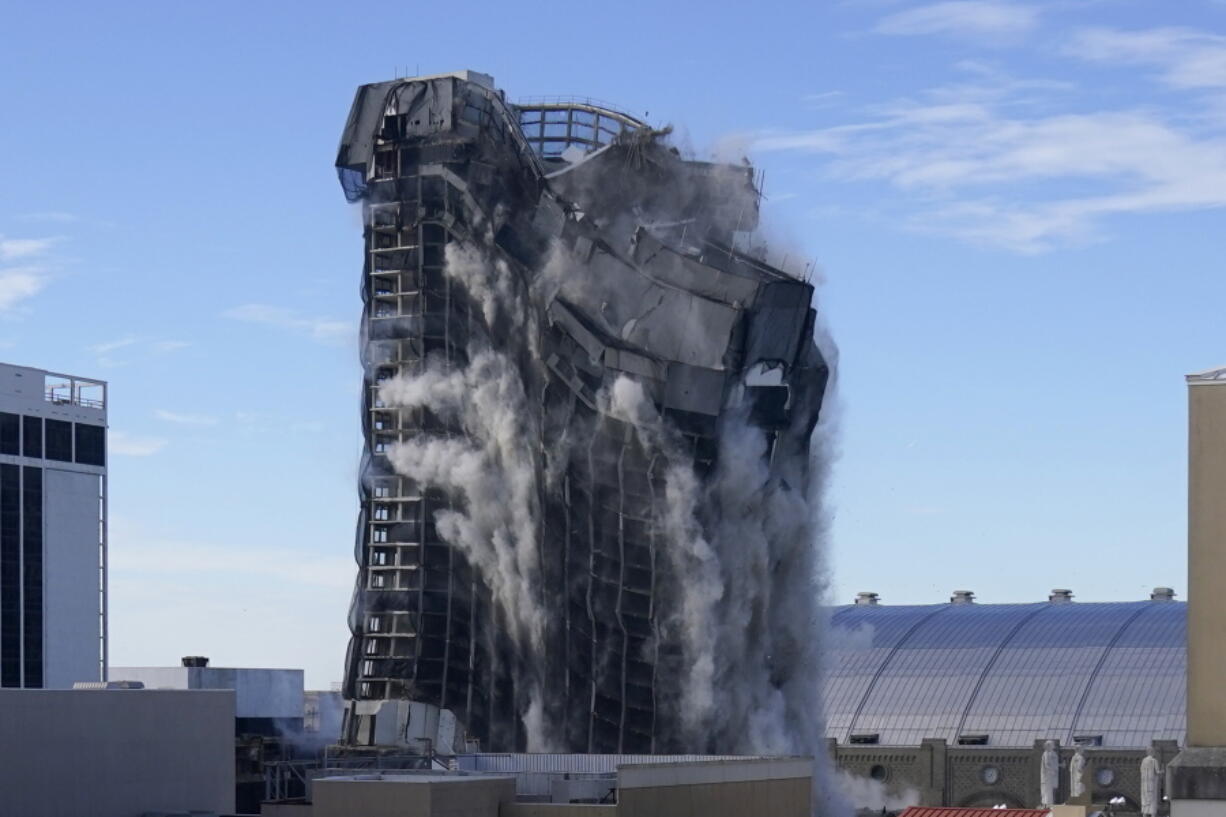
(1016, 673)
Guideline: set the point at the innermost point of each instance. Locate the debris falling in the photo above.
(588, 496)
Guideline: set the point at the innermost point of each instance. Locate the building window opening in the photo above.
(91, 444)
(972, 740)
(32, 437)
(59, 440)
(10, 434)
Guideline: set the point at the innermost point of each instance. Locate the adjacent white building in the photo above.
(267, 701)
(52, 529)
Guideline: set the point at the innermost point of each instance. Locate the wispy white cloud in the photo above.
(324, 330)
(22, 281)
(106, 350)
(19, 283)
(12, 249)
(106, 347)
(972, 162)
(50, 216)
(1185, 58)
(185, 419)
(822, 99)
(133, 345)
(976, 19)
(132, 445)
(260, 422)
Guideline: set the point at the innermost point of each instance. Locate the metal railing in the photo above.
(592, 102)
(55, 395)
(291, 779)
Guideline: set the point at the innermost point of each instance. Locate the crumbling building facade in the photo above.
(560, 340)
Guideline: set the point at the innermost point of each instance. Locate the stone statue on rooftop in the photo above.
(1076, 771)
(1151, 776)
(1049, 775)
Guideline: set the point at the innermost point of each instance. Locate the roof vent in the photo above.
(195, 661)
(1060, 596)
(962, 597)
(1162, 594)
(866, 599)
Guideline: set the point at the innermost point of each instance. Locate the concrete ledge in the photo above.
(1197, 773)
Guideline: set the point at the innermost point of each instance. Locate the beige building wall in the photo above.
(411, 796)
(774, 787)
(115, 753)
(778, 787)
(1206, 560)
(557, 810)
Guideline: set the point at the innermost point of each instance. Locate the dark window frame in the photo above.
(32, 437)
(10, 575)
(90, 444)
(58, 440)
(10, 433)
(32, 576)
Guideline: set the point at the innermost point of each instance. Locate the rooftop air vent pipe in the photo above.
(1162, 594)
(866, 599)
(195, 661)
(962, 597)
(1060, 596)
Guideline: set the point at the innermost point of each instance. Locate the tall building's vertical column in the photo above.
(1197, 777)
(10, 575)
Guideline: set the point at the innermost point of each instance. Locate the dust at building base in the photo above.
(587, 516)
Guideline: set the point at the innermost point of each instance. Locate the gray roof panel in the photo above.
(1014, 672)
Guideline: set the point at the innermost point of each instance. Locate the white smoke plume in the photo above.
(748, 609)
(742, 541)
(874, 795)
(492, 468)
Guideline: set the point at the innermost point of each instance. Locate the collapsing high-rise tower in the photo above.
(586, 491)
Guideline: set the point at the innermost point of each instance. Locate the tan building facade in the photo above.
(731, 787)
(1196, 780)
(1206, 559)
(432, 795)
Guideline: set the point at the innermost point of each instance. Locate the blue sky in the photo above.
(1016, 208)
